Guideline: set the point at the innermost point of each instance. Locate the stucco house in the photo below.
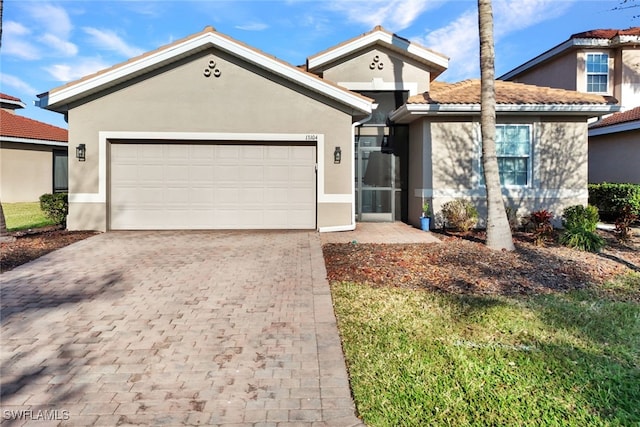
(33, 155)
(208, 132)
(605, 62)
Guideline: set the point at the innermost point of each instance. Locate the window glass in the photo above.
(513, 148)
(60, 172)
(597, 72)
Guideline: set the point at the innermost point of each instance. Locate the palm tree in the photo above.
(498, 231)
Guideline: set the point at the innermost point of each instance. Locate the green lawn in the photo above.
(22, 216)
(420, 358)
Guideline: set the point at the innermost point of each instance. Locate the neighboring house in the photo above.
(605, 62)
(33, 155)
(208, 132)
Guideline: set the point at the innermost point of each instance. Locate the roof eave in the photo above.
(59, 99)
(34, 141)
(615, 128)
(409, 112)
(554, 51)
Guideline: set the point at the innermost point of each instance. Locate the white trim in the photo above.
(105, 136)
(18, 103)
(377, 84)
(410, 112)
(587, 74)
(335, 228)
(620, 127)
(33, 141)
(372, 38)
(513, 192)
(110, 77)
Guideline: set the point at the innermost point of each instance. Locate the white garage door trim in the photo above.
(105, 136)
(205, 185)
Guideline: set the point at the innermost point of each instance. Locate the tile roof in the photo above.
(617, 118)
(468, 92)
(606, 33)
(9, 97)
(13, 125)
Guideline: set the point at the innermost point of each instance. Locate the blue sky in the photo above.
(48, 43)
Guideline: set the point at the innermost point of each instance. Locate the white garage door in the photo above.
(212, 186)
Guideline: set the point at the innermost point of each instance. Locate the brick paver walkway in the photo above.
(174, 328)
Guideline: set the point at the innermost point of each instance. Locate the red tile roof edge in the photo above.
(618, 118)
(15, 126)
(606, 33)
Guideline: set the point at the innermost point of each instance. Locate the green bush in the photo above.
(460, 214)
(55, 207)
(610, 199)
(579, 216)
(580, 238)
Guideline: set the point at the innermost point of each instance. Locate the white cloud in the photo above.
(63, 47)
(81, 68)
(394, 15)
(109, 40)
(514, 15)
(458, 41)
(253, 26)
(52, 19)
(16, 83)
(15, 41)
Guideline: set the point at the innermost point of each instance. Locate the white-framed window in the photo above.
(513, 149)
(597, 66)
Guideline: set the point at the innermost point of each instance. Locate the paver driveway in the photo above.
(174, 328)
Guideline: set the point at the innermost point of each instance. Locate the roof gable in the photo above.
(439, 63)
(587, 39)
(59, 98)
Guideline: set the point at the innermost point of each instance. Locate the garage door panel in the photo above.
(212, 186)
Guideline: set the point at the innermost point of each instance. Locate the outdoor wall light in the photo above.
(81, 152)
(337, 155)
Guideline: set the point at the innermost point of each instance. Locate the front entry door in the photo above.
(375, 183)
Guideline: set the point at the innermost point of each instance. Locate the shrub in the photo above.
(580, 238)
(56, 207)
(581, 216)
(512, 217)
(623, 223)
(460, 214)
(610, 199)
(540, 223)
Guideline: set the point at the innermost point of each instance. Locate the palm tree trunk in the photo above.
(498, 231)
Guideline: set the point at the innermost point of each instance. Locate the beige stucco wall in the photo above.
(395, 68)
(181, 99)
(558, 164)
(558, 73)
(615, 158)
(629, 78)
(26, 172)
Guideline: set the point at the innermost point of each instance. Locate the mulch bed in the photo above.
(32, 244)
(462, 264)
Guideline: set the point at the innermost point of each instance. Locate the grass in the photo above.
(23, 216)
(421, 358)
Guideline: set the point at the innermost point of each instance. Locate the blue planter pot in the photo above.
(424, 223)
